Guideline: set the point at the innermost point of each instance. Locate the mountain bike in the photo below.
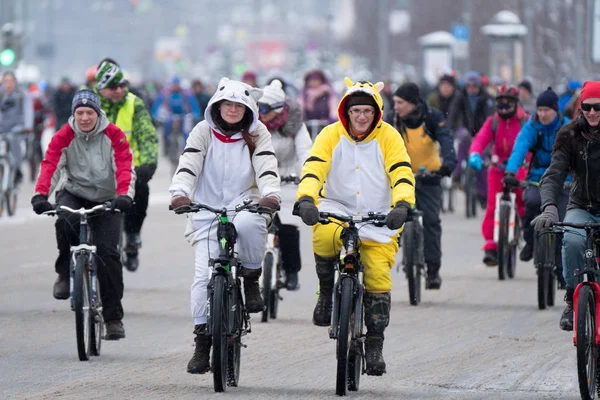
(546, 258)
(84, 288)
(507, 232)
(227, 319)
(8, 187)
(272, 275)
(347, 316)
(586, 307)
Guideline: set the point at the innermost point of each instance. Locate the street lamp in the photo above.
(506, 49)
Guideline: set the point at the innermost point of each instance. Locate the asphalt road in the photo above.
(477, 338)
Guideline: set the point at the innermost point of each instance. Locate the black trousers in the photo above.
(105, 230)
(533, 205)
(428, 192)
(289, 245)
(136, 216)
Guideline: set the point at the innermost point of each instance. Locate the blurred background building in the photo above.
(549, 41)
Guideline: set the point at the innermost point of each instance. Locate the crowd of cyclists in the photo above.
(362, 150)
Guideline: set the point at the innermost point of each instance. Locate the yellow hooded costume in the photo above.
(353, 176)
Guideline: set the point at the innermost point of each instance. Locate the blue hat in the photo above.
(86, 98)
(473, 77)
(574, 85)
(548, 98)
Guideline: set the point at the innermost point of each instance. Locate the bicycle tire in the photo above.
(542, 286)
(11, 201)
(234, 346)
(344, 336)
(274, 300)
(587, 351)
(219, 319)
(551, 289)
(355, 358)
(511, 267)
(451, 195)
(81, 305)
(98, 325)
(470, 193)
(410, 263)
(266, 283)
(503, 246)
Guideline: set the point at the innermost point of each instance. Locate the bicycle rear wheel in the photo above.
(234, 345)
(266, 284)
(218, 309)
(344, 336)
(11, 201)
(412, 270)
(470, 192)
(551, 289)
(81, 304)
(98, 323)
(542, 286)
(587, 351)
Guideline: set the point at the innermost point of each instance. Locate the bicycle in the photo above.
(448, 194)
(33, 154)
(586, 305)
(272, 275)
(347, 317)
(176, 141)
(86, 301)
(548, 264)
(8, 187)
(508, 231)
(227, 319)
(469, 184)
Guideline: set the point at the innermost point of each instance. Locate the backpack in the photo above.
(522, 121)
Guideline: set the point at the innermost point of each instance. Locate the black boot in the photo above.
(254, 301)
(566, 319)
(61, 287)
(326, 274)
(377, 318)
(200, 362)
(526, 253)
(490, 258)
(134, 242)
(433, 281)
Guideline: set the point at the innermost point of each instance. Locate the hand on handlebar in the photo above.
(547, 218)
(510, 180)
(305, 208)
(122, 203)
(180, 201)
(398, 216)
(41, 204)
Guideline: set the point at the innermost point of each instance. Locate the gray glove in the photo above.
(398, 216)
(547, 218)
(306, 209)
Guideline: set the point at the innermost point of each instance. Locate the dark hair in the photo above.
(243, 126)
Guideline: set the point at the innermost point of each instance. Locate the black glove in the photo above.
(546, 218)
(397, 217)
(41, 204)
(510, 180)
(122, 203)
(144, 173)
(306, 209)
(445, 170)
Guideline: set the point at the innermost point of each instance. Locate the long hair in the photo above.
(243, 126)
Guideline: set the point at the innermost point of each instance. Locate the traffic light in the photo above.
(9, 52)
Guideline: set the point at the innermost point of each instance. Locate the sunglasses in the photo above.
(588, 107)
(504, 106)
(265, 108)
(116, 85)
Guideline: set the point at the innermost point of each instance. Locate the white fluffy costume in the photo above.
(218, 170)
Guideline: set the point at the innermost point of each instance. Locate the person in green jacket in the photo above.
(129, 113)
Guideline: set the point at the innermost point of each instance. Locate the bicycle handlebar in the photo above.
(290, 178)
(246, 206)
(375, 218)
(584, 225)
(82, 211)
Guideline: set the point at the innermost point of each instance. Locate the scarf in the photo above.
(279, 120)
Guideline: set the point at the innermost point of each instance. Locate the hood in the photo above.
(100, 127)
(237, 92)
(369, 88)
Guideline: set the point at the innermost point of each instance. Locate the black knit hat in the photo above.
(359, 99)
(448, 78)
(548, 98)
(409, 92)
(526, 85)
(86, 98)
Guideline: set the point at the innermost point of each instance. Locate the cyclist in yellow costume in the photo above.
(358, 164)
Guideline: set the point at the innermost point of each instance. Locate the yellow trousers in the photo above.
(377, 258)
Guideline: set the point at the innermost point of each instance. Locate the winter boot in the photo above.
(326, 274)
(526, 253)
(61, 289)
(566, 319)
(254, 301)
(134, 242)
(200, 362)
(377, 318)
(490, 258)
(433, 280)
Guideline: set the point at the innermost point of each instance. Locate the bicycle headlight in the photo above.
(3, 148)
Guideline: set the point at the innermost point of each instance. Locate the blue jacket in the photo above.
(180, 103)
(539, 138)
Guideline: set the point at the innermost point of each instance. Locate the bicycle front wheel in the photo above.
(587, 351)
(411, 259)
(344, 336)
(81, 304)
(503, 245)
(218, 309)
(235, 345)
(266, 284)
(98, 323)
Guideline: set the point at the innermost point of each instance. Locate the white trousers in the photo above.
(250, 246)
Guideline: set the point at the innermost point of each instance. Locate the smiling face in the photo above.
(232, 112)
(361, 118)
(85, 118)
(114, 93)
(592, 116)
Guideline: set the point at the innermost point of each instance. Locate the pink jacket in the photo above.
(503, 139)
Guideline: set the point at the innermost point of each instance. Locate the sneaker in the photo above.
(114, 330)
(200, 362)
(322, 312)
(254, 301)
(291, 281)
(526, 253)
(61, 290)
(374, 356)
(490, 258)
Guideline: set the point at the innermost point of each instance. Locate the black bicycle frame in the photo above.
(84, 248)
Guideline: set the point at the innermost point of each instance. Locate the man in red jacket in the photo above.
(89, 162)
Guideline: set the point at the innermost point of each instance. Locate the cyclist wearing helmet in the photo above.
(501, 129)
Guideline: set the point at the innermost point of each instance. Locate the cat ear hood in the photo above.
(237, 92)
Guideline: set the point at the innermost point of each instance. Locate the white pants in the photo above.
(250, 246)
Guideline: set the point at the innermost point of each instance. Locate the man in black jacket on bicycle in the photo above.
(421, 127)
